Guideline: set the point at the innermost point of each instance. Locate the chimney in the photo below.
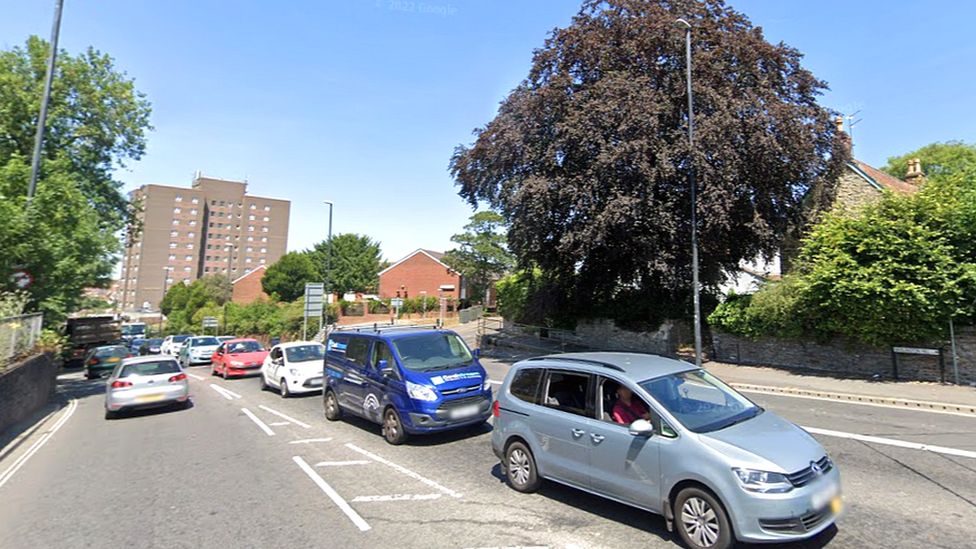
(839, 124)
(841, 134)
(914, 174)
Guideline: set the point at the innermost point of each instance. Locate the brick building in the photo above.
(212, 228)
(420, 271)
(247, 287)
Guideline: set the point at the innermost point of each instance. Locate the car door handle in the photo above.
(578, 433)
(597, 439)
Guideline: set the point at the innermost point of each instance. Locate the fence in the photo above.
(18, 334)
(471, 313)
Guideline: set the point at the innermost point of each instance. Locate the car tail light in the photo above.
(177, 377)
(496, 409)
(93, 361)
(118, 384)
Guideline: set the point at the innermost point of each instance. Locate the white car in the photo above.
(294, 367)
(172, 343)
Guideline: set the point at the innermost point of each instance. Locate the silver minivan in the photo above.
(662, 435)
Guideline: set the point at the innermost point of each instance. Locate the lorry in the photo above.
(133, 330)
(85, 332)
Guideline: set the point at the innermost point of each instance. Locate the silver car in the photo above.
(664, 436)
(145, 382)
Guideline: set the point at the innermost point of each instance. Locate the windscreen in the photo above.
(150, 368)
(432, 352)
(244, 347)
(305, 353)
(202, 341)
(133, 329)
(701, 401)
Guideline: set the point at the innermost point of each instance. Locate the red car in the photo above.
(238, 358)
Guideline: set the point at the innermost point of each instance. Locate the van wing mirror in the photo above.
(385, 369)
(641, 428)
(476, 353)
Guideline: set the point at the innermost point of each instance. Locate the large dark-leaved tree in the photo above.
(588, 157)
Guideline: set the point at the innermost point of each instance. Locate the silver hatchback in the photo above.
(664, 436)
(145, 382)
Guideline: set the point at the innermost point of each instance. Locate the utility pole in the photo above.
(165, 283)
(694, 205)
(45, 99)
(328, 263)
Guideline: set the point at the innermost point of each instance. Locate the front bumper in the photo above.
(199, 359)
(304, 384)
(249, 369)
(796, 515)
(444, 416)
(131, 399)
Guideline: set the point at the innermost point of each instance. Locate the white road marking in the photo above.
(310, 440)
(396, 497)
(893, 442)
(229, 395)
(845, 401)
(279, 423)
(9, 473)
(493, 382)
(194, 376)
(258, 422)
(283, 416)
(343, 463)
(333, 495)
(403, 470)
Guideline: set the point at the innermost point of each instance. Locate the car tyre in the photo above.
(264, 383)
(520, 470)
(331, 404)
(393, 428)
(701, 520)
(283, 388)
(110, 415)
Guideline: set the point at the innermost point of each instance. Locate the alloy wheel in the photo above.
(519, 467)
(700, 521)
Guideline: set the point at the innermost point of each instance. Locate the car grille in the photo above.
(313, 382)
(808, 474)
(796, 525)
(461, 390)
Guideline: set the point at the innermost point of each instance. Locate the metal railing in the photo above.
(471, 313)
(18, 334)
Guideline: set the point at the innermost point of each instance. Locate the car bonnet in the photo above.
(766, 441)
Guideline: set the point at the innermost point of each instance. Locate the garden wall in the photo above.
(24, 387)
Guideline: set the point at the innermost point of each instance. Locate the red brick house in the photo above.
(247, 288)
(420, 271)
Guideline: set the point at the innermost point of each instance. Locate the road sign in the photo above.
(915, 351)
(209, 322)
(314, 292)
(21, 279)
(396, 303)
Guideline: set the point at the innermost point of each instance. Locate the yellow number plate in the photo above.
(836, 505)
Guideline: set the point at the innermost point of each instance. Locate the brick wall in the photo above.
(846, 359)
(418, 273)
(248, 288)
(25, 387)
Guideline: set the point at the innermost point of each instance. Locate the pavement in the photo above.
(246, 468)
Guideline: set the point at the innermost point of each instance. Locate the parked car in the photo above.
(226, 338)
(145, 382)
(100, 361)
(172, 343)
(151, 346)
(238, 358)
(409, 380)
(293, 368)
(135, 344)
(664, 436)
(197, 350)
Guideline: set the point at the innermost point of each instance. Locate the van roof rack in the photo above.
(579, 360)
(380, 328)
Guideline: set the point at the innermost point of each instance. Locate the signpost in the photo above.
(314, 294)
(895, 351)
(209, 322)
(396, 303)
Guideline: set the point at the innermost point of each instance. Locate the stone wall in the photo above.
(847, 359)
(605, 335)
(25, 387)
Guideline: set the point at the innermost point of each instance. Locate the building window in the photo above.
(250, 217)
(209, 246)
(172, 244)
(266, 219)
(238, 226)
(206, 269)
(186, 269)
(193, 222)
(267, 208)
(250, 249)
(189, 246)
(253, 206)
(176, 222)
(211, 225)
(172, 257)
(263, 261)
(250, 228)
(179, 198)
(264, 239)
(174, 234)
(250, 239)
(188, 258)
(190, 235)
(193, 212)
(213, 202)
(264, 250)
(248, 260)
(264, 229)
(177, 210)
(195, 201)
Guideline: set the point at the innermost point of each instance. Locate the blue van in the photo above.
(409, 380)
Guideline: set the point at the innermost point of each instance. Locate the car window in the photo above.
(613, 410)
(305, 353)
(179, 339)
(356, 350)
(150, 368)
(244, 347)
(525, 385)
(111, 351)
(381, 351)
(567, 391)
(337, 345)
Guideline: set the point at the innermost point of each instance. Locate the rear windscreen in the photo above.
(151, 368)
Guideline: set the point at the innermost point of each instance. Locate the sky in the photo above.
(362, 102)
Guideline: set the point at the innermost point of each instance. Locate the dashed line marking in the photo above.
(9, 473)
(396, 497)
(224, 392)
(194, 376)
(283, 416)
(343, 463)
(310, 440)
(333, 495)
(279, 423)
(258, 422)
(403, 470)
(893, 442)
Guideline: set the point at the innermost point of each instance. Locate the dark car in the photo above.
(135, 344)
(100, 361)
(151, 346)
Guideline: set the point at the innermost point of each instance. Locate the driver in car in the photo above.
(628, 409)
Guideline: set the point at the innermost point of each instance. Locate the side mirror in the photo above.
(641, 428)
(385, 369)
(476, 353)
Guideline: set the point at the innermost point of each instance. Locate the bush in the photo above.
(771, 311)
(514, 292)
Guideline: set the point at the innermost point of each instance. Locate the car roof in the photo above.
(291, 344)
(147, 358)
(240, 340)
(391, 332)
(636, 366)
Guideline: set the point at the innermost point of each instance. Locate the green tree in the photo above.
(939, 161)
(355, 266)
(175, 298)
(481, 256)
(589, 161)
(285, 279)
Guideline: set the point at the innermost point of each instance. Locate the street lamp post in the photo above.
(166, 271)
(45, 99)
(691, 182)
(328, 262)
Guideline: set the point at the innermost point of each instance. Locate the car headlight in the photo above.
(763, 482)
(421, 392)
(486, 385)
(293, 371)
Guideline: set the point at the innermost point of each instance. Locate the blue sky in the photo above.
(362, 102)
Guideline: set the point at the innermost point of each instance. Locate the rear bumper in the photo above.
(145, 398)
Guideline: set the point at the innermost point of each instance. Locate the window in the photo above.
(179, 198)
(172, 244)
(263, 261)
(221, 202)
(220, 214)
(250, 228)
(264, 250)
(356, 350)
(206, 269)
(189, 246)
(193, 212)
(188, 258)
(250, 217)
(169, 280)
(248, 260)
(253, 206)
(211, 224)
(264, 229)
(177, 210)
(266, 219)
(173, 234)
(213, 202)
(209, 246)
(264, 239)
(193, 222)
(381, 351)
(567, 392)
(172, 257)
(190, 235)
(267, 208)
(176, 222)
(700, 401)
(250, 249)
(195, 201)
(525, 385)
(186, 269)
